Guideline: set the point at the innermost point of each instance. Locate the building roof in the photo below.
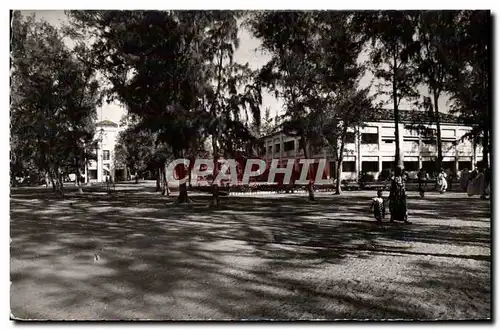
(107, 122)
(412, 116)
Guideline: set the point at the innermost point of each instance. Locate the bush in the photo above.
(366, 177)
(385, 174)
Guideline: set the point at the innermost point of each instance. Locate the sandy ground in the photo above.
(134, 256)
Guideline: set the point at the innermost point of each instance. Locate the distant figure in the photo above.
(464, 179)
(442, 181)
(449, 178)
(478, 185)
(485, 183)
(473, 174)
(474, 186)
(422, 182)
(378, 206)
(397, 197)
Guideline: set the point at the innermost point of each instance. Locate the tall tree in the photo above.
(391, 34)
(230, 89)
(53, 98)
(135, 147)
(469, 88)
(313, 57)
(154, 62)
(437, 38)
(350, 111)
(174, 69)
(290, 38)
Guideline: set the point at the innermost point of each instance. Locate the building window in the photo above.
(105, 154)
(350, 137)
(277, 147)
(429, 166)
(448, 166)
(369, 166)
(411, 166)
(93, 174)
(430, 142)
(349, 166)
(464, 165)
(369, 138)
(387, 165)
(388, 141)
(288, 146)
(270, 149)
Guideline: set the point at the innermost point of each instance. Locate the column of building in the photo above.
(358, 152)
(379, 130)
(99, 163)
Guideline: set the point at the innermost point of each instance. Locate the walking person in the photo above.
(397, 197)
(422, 182)
(442, 181)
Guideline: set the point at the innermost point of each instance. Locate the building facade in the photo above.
(104, 167)
(371, 148)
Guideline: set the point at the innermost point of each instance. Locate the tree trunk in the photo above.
(61, 184)
(397, 158)
(486, 147)
(86, 171)
(439, 162)
(78, 182)
(78, 178)
(310, 185)
(164, 184)
(215, 172)
(340, 158)
(54, 185)
(183, 192)
(158, 180)
(338, 185)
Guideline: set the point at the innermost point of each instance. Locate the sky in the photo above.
(248, 51)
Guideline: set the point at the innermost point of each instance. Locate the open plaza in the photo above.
(137, 255)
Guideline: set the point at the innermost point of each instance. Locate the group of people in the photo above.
(475, 183)
(441, 183)
(397, 200)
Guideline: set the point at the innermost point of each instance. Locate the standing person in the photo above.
(378, 206)
(479, 183)
(397, 197)
(422, 181)
(442, 181)
(485, 187)
(464, 179)
(449, 178)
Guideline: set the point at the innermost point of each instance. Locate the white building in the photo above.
(371, 148)
(107, 137)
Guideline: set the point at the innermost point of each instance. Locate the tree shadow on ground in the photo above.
(134, 256)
